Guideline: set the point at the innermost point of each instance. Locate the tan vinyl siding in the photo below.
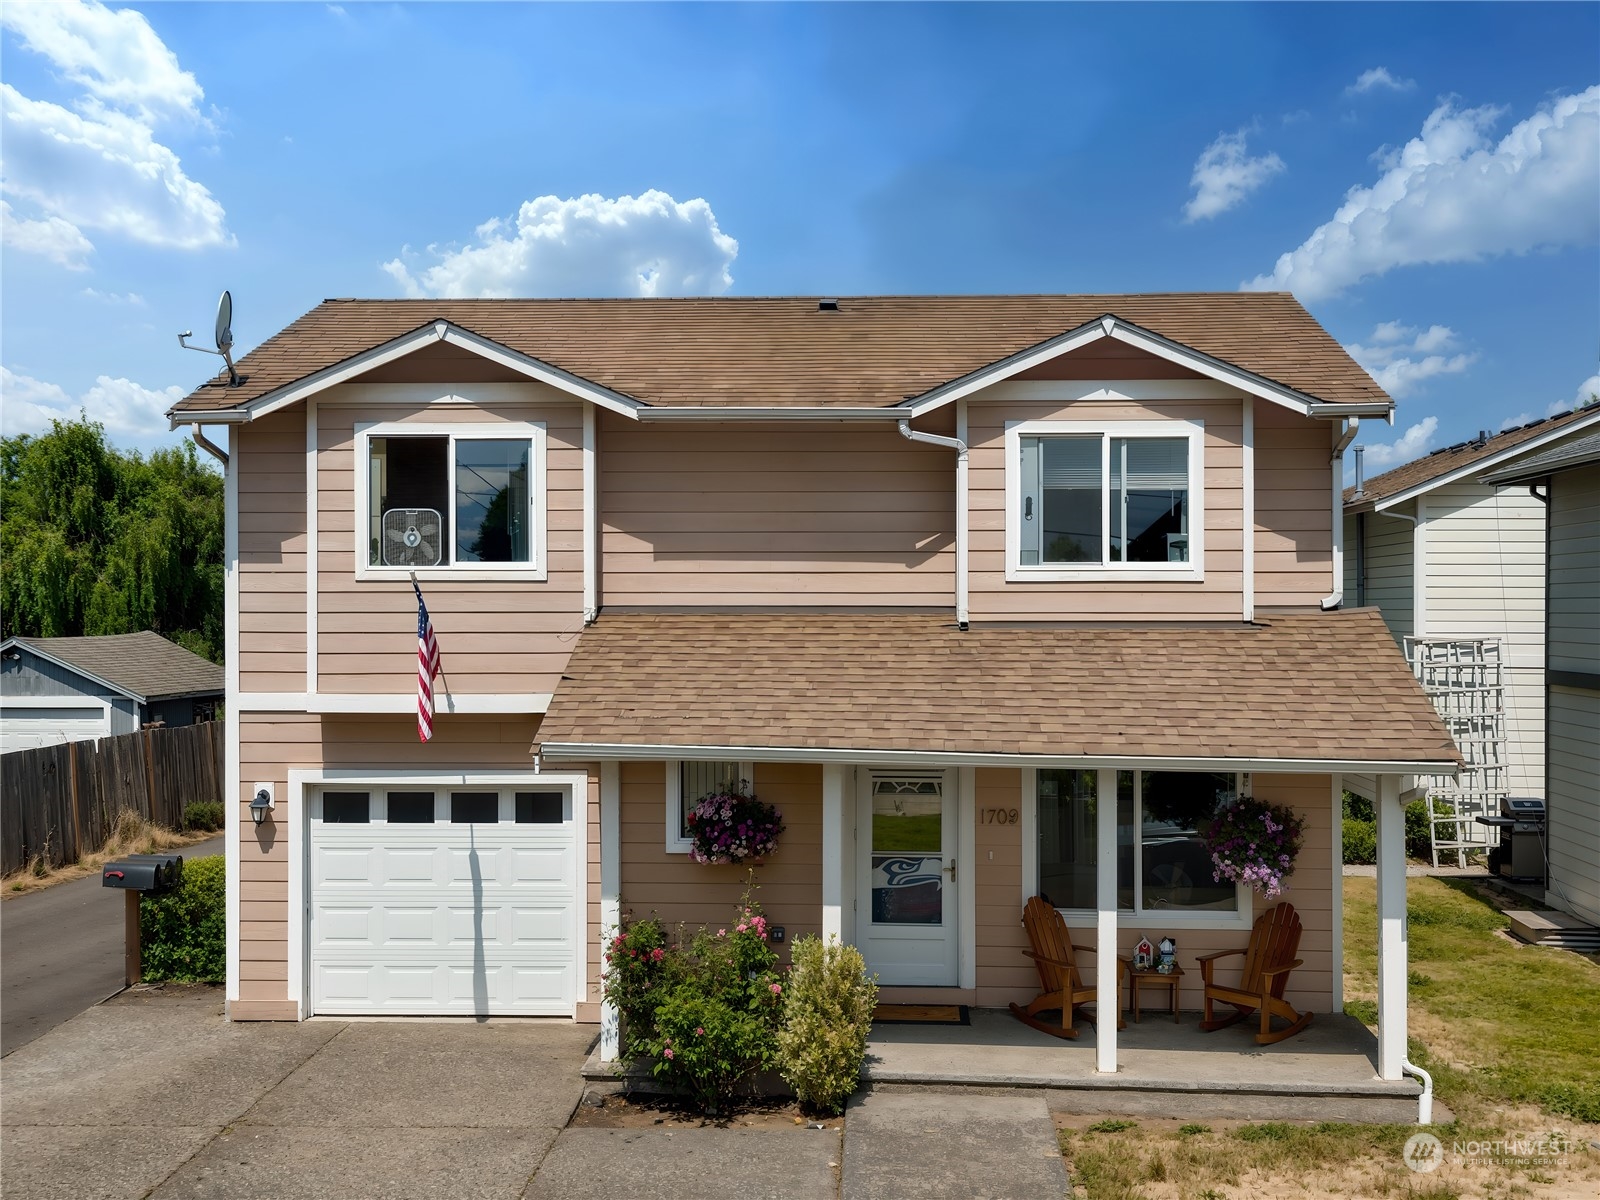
(1005, 975)
(1294, 509)
(271, 458)
(494, 636)
(1218, 597)
(270, 745)
(754, 514)
(681, 891)
(1484, 578)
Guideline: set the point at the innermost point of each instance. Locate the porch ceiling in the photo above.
(1317, 688)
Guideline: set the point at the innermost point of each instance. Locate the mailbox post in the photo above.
(135, 875)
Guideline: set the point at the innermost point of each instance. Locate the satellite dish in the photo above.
(224, 339)
(225, 322)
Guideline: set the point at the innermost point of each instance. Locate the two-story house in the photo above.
(992, 596)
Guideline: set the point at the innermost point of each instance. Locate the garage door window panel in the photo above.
(346, 808)
(474, 808)
(541, 808)
(410, 808)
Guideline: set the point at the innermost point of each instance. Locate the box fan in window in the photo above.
(412, 537)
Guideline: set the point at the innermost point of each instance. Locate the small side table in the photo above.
(1154, 978)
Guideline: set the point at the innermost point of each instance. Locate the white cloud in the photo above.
(132, 299)
(113, 55)
(1413, 443)
(60, 241)
(1450, 195)
(97, 165)
(132, 414)
(591, 245)
(1224, 175)
(1378, 77)
(1587, 391)
(1399, 357)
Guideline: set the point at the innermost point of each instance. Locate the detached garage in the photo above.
(442, 897)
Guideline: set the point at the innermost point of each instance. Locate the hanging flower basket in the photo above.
(731, 825)
(1254, 843)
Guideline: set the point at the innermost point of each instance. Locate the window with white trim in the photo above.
(1163, 867)
(688, 783)
(469, 498)
(1114, 500)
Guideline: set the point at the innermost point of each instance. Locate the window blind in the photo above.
(1070, 462)
(1152, 464)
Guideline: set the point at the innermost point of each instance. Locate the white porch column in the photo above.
(1391, 929)
(1107, 999)
(610, 889)
(833, 856)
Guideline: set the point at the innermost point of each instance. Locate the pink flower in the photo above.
(742, 927)
(776, 988)
(657, 954)
(722, 933)
(667, 1053)
(700, 1031)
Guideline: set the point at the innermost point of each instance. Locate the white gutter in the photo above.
(657, 751)
(960, 447)
(1336, 469)
(176, 419)
(197, 432)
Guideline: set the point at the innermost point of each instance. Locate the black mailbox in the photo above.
(144, 873)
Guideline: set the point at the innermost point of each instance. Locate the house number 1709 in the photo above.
(999, 816)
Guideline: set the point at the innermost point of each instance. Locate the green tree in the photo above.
(94, 540)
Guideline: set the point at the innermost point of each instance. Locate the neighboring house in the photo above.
(1569, 476)
(66, 689)
(1051, 575)
(1444, 554)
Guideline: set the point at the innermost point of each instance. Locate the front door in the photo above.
(906, 876)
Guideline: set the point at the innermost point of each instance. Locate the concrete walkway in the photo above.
(61, 951)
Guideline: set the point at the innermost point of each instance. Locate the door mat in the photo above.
(921, 1014)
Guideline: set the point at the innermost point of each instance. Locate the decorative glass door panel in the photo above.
(906, 911)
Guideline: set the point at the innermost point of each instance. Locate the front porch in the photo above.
(1326, 1073)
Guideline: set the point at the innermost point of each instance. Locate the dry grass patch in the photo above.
(1157, 1159)
(132, 834)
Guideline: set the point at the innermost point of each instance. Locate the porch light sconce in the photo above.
(261, 805)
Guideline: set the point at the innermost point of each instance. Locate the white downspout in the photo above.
(1336, 597)
(960, 447)
(1424, 1101)
(197, 432)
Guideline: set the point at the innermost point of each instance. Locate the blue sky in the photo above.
(1426, 178)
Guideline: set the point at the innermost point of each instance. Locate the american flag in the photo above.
(427, 667)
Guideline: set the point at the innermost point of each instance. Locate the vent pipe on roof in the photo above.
(1483, 438)
(1360, 474)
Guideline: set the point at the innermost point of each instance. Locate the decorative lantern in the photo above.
(1144, 955)
(1169, 956)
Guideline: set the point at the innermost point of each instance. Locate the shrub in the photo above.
(204, 815)
(1360, 841)
(636, 980)
(183, 934)
(827, 1015)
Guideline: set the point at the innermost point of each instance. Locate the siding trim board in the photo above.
(378, 702)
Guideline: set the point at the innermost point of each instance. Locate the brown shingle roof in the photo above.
(1463, 454)
(1328, 686)
(145, 664)
(876, 350)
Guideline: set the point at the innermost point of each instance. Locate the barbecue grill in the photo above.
(1520, 854)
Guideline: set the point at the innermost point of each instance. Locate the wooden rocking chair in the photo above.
(1268, 959)
(1063, 987)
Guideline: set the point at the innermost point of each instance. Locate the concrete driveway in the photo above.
(61, 951)
(153, 1094)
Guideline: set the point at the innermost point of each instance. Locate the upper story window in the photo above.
(441, 497)
(1104, 501)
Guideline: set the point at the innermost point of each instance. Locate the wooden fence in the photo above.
(61, 802)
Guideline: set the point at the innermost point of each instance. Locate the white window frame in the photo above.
(1192, 571)
(536, 568)
(1137, 917)
(676, 843)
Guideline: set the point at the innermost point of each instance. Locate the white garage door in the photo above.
(443, 902)
(48, 724)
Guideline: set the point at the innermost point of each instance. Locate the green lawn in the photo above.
(1496, 1021)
